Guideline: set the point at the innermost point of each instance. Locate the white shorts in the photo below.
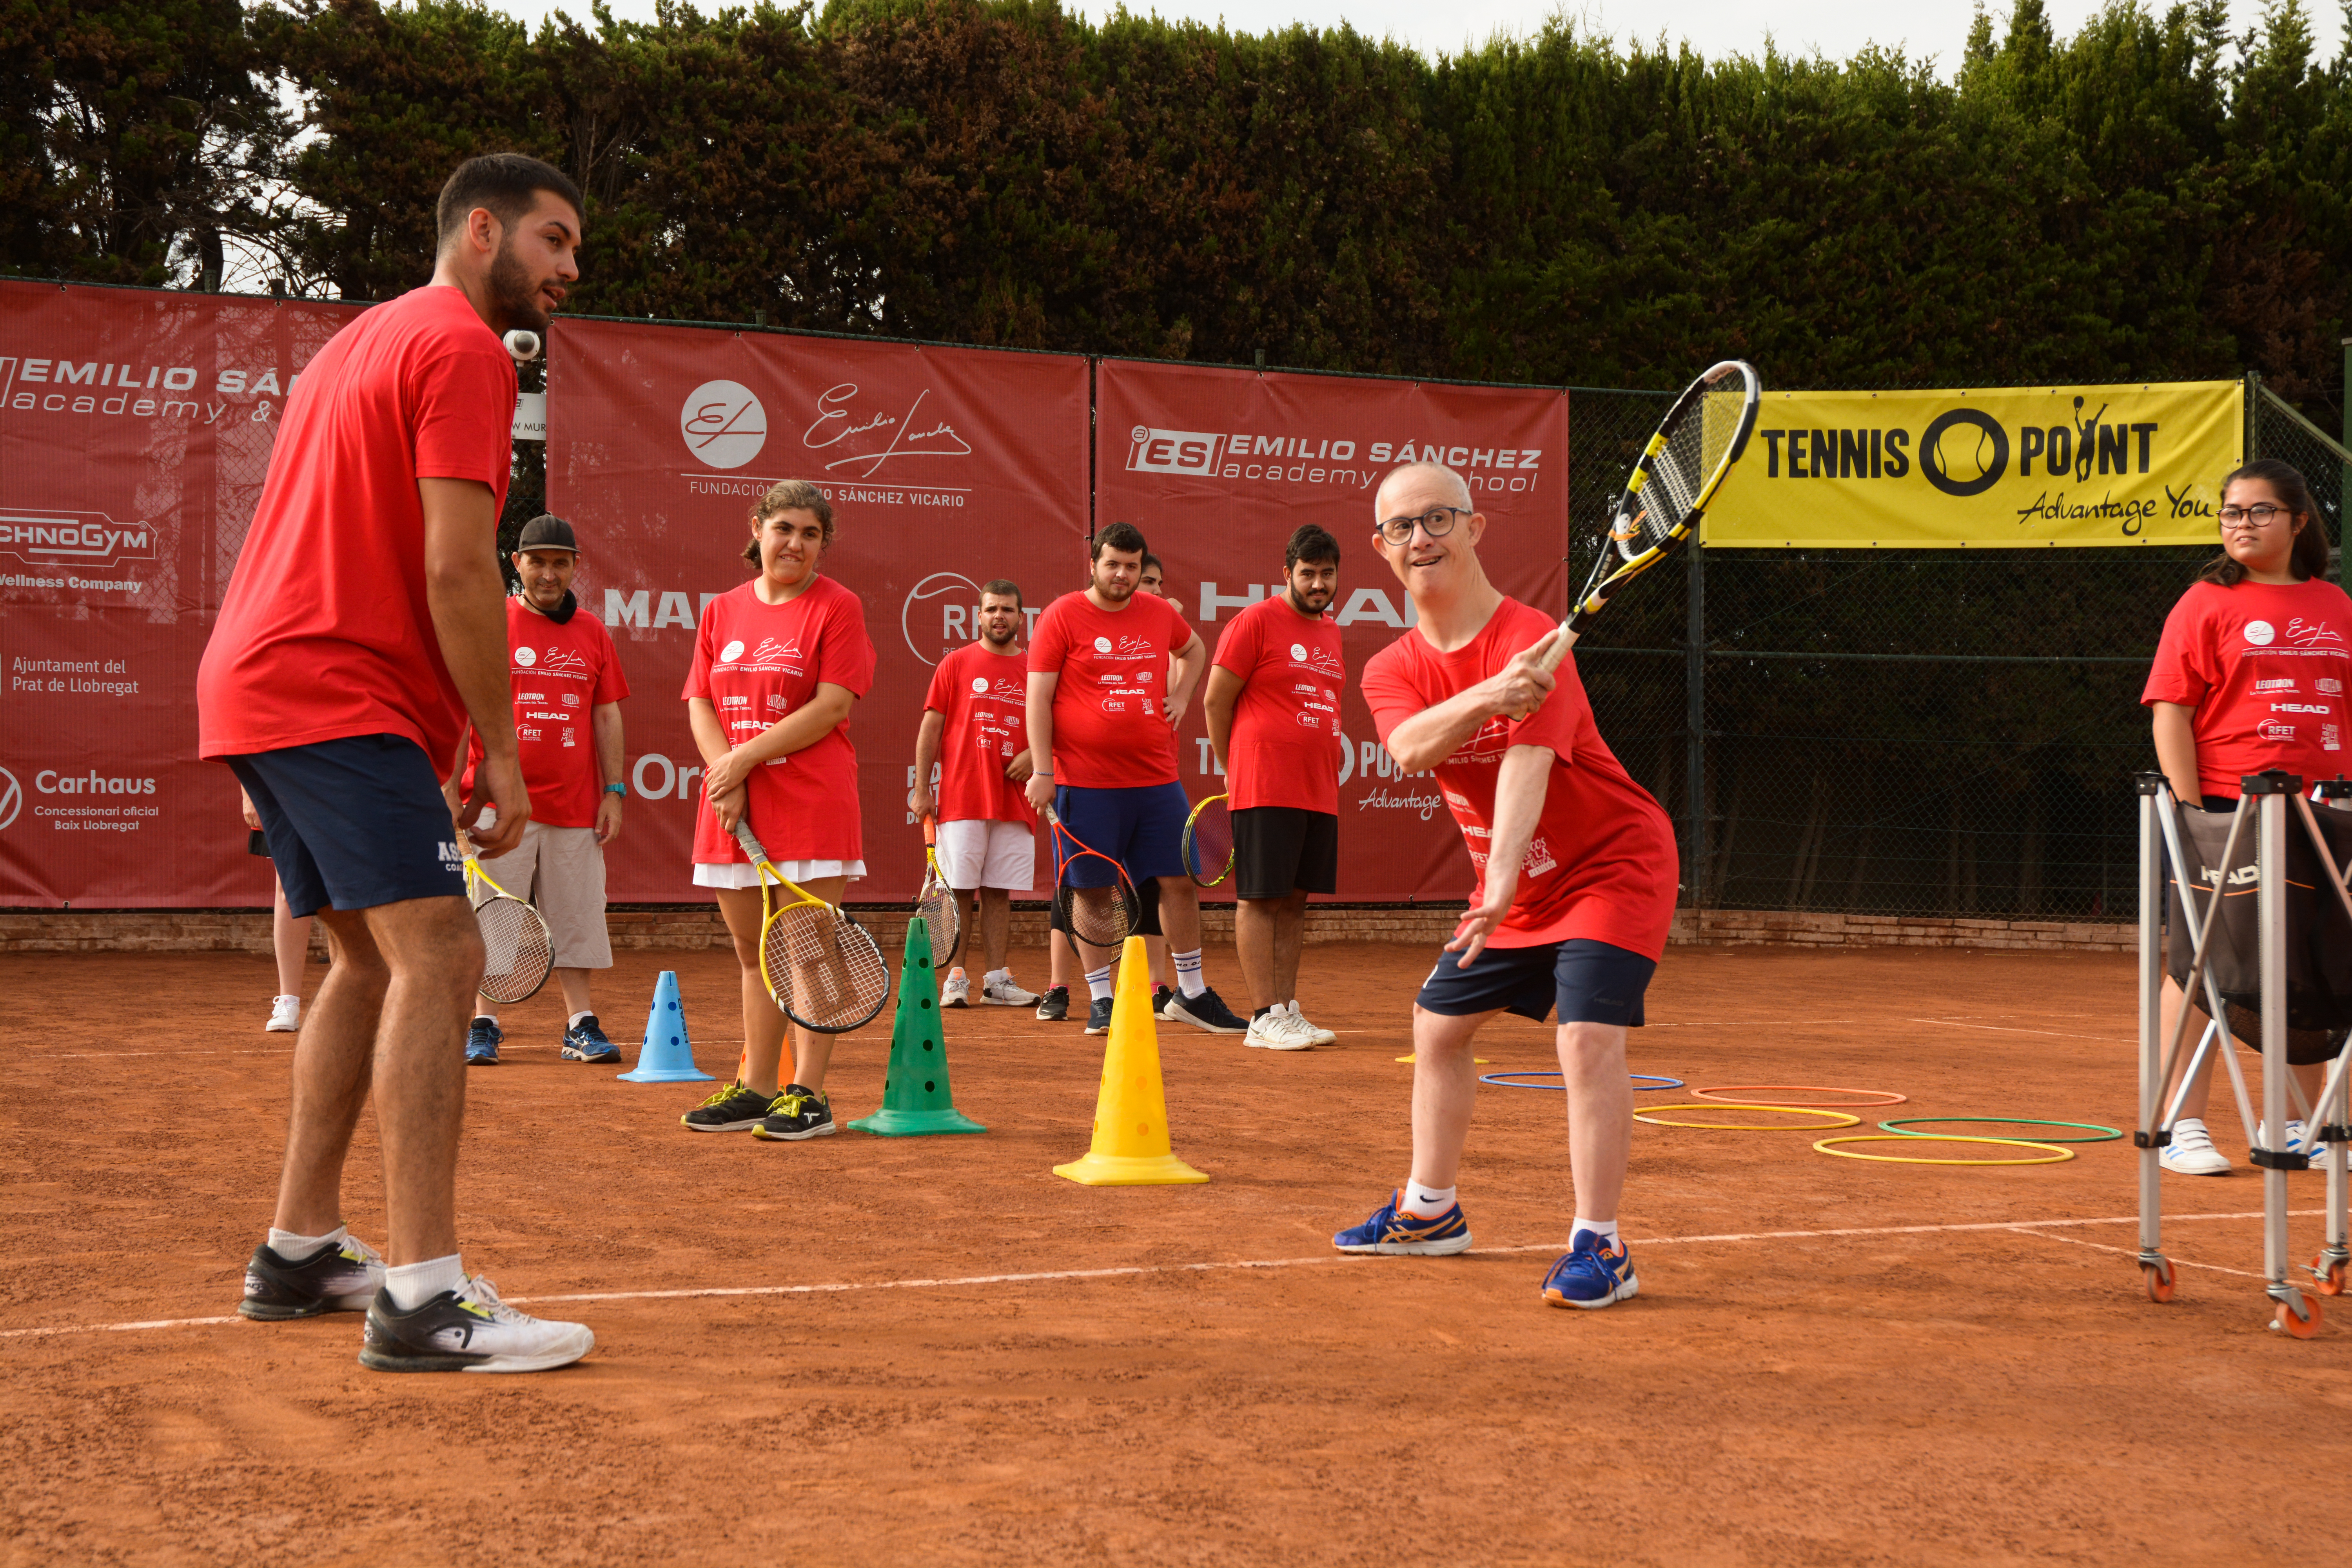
(977, 852)
(748, 876)
(562, 870)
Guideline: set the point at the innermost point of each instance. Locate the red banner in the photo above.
(945, 468)
(135, 430)
(1218, 466)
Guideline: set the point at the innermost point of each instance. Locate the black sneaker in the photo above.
(1160, 1000)
(1098, 1016)
(482, 1038)
(1207, 1011)
(731, 1110)
(340, 1276)
(584, 1042)
(1054, 1006)
(467, 1329)
(797, 1113)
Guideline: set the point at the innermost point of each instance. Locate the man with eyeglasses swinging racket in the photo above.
(1576, 883)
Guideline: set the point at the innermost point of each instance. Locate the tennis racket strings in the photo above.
(835, 972)
(1209, 841)
(1690, 453)
(937, 906)
(518, 951)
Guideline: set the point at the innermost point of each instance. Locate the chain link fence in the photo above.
(1920, 732)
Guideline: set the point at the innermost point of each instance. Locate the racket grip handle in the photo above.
(1562, 640)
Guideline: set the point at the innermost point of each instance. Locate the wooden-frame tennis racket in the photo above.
(1209, 841)
(823, 969)
(1103, 915)
(1702, 435)
(517, 952)
(940, 910)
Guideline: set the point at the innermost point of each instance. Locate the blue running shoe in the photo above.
(482, 1038)
(584, 1042)
(1592, 1274)
(1400, 1234)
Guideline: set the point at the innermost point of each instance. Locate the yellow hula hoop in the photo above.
(1838, 1118)
(2053, 1154)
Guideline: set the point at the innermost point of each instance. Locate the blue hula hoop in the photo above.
(1650, 1081)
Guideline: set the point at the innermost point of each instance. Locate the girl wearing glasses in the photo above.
(2251, 674)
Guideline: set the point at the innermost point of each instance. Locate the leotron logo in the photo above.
(12, 797)
(74, 537)
(723, 424)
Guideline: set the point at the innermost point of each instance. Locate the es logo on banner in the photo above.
(723, 424)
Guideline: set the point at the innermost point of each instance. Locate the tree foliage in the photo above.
(2148, 198)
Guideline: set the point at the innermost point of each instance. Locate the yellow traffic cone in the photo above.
(1131, 1147)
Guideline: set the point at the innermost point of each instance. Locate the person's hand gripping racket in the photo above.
(498, 786)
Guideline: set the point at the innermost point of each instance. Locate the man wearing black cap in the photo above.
(568, 687)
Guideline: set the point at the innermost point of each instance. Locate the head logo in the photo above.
(2262, 634)
(12, 797)
(723, 424)
(1963, 452)
(953, 586)
(980, 683)
(1298, 650)
(731, 652)
(1102, 645)
(526, 657)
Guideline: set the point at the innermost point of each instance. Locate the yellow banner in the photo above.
(2004, 469)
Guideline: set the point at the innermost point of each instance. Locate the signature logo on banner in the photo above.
(874, 436)
(12, 797)
(723, 424)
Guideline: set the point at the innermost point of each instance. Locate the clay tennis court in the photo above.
(861, 1349)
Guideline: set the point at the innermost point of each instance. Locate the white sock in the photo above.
(294, 1248)
(1187, 972)
(583, 1012)
(1427, 1203)
(1606, 1228)
(994, 975)
(1098, 983)
(485, 1018)
(411, 1285)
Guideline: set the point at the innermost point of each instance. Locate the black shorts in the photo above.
(1589, 981)
(353, 823)
(1279, 850)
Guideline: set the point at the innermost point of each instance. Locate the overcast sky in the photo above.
(1837, 28)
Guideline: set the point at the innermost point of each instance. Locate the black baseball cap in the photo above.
(547, 532)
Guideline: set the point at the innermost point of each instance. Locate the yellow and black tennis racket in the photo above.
(1209, 841)
(518, 953)
(935, 902)
(1702, 435)
(823, 969)
(1092, 893)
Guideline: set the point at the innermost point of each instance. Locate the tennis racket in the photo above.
(1678, 473)
(1209, 841)
(823, 969)
(935, 903)
(518, 953)
(1102, 916)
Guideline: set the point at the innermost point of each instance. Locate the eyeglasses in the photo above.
(2256, 516)
(1437, 525)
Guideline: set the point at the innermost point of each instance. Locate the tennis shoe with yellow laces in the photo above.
(468, 1330)
(1593, 1273)
(734, 1109)
(799, 1112)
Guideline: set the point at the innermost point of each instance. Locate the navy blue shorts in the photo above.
(353, 823)
(1589, 981)
(1141, 829)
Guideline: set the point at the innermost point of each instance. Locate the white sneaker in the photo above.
(2191, 1151)
(285, 1015)
(957, 991)
(1319, 1036)
(468, 1330)
(1003, 993)
(2297, 1136)
(1276, 1029)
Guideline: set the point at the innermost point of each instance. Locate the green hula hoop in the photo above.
(2105, 1134)
(2050, 1157)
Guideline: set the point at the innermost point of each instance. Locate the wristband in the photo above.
(619, 789)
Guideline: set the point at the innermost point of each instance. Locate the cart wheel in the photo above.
(2157, 1276)
(2298, 1326)
(2330, 1280)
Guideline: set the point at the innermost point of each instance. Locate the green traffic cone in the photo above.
(915, 1095)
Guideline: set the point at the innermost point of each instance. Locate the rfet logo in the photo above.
(12, 797)
(723, 424)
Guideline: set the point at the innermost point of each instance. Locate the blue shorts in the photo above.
(1589, 981)
(353, 823)
(1141, 829)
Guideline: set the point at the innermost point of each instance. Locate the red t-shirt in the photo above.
(1285, 748)
(755, 663)
(984, 698)
(2265, 666)
(1602, 865)
(324, 631)
(561, 674)
(1111, 710)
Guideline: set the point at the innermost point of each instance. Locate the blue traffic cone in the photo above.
(667, 1056)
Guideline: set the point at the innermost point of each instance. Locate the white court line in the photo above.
(1998, 1029)
(2022, 1226)
(2134, 1252)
